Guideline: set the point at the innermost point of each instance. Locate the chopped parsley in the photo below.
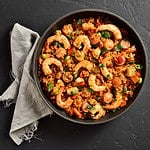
(94, 46)
(89, 90)
(101, 65)
(90, 107)
(118, 47)
(104, 49)
(79, 22)
(50, 86)
(106, 34)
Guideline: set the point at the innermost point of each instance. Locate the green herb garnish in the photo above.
(66, 68)
(56, 92)
(94, 46)
(125, 89)
(105, 34)
(80, 88)
(138, 66)
(69, 36)
(67, 58)
(140, 80)
(75, 75)
(118, 47)
(74, 92)
(43, 56)
(79, 22)
(103, 50)
(50, 86)
(90, 107)
(89, 90)
(114, 110)
(101, 65)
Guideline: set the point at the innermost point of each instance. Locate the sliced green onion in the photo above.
(138, 66)
(56, 92)
(66, 68)
(103, 50)
(125, 89)
(69, 36)
(89, 90)
(74, 92)
(101, 65)
(80, 88)
(94, 46)
(140, 80)
(75, 75)
(105, 34)
(50, 86)
(67, 58)
(43, 56)
(79, 22)
(118, 47)
(114, 110)
(99, 34)
(90, 107)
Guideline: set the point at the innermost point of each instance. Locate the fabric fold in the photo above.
(29, 106)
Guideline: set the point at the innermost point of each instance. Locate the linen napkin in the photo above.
(29, 106)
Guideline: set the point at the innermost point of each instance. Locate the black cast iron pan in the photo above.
(85, 13)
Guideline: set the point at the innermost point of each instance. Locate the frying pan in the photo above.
(86, 13)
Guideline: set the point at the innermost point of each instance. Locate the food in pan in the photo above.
(89, 68)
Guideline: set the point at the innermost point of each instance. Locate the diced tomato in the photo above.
(71, 50)
(77, 113)
(138, 74)
(123, 103)
(135, 79)
(81, 84)
(90, 32)
(121, 60)
(116, 81)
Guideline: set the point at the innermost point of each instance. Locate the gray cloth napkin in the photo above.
(29, 106)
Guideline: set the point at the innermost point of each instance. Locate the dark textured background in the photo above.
(131, 131)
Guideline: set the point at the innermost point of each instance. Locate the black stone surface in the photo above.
(131, 131)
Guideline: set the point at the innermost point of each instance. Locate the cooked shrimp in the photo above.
(60, 102)
(67, 77)
(67, 29)
(47, 62)
(125, 44)
(96, 52)
(116, 82)
(95, 38)
(82, 39)
(112, 28)
(92, 84)
(72, 90)
(79, 55)
(88, 26)
(130, 72)
(131, 49)
(115, 104)
(83, 64)
(108, 43)
(77, 113)
(108, 97)
(97, 112)
(105, 72)
(59, 75)
(60, 38)
(61, 52)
